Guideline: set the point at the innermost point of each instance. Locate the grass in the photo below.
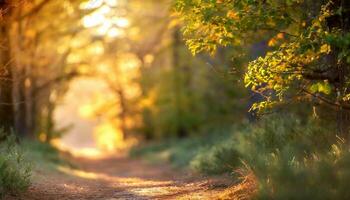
(286, 158)
(46, 157)
(20, 163)
(15, 170)
(246, 189)
(190, 152)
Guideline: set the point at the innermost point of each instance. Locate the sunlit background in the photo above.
(109, 74)
(76, 110)
(92, 133)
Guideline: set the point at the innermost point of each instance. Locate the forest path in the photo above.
(121, 178)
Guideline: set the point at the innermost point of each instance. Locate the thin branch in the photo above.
(278, 31)
(327, 101)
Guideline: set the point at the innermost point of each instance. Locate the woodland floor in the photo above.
(121, 178)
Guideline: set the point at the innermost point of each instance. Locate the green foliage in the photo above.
(309, 45)
(15, 172)
(308, 60)
(182, 152)
(297, 66)
(292, 160)
(41, 151)
(250, 143)
(178, 101)
(209, 23)
(289, 158)
(276, 133)
(317, 176)
(220, 158)
(46, 157)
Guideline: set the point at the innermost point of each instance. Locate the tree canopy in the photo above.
(308, 56)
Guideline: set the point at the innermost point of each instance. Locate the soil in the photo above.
(120, 178)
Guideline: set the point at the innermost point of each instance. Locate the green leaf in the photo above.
(322, 87)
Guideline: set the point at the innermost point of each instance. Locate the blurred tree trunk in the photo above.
(49, 121)
(340, 22)
(20, 111)
(31, 94)
(19, 75)
(31, 108)
(180, 130)
(6, 78)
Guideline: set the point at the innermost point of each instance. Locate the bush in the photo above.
(284, 132)
(289, 159)
(14, 171)
(294, 160)
(220, 158)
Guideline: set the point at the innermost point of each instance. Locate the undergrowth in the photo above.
(15, 171)
(180, 152)
(45, 155)
(288, 158)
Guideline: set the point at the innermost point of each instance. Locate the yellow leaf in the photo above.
(325, 48)
(272, 42)
(232, 15)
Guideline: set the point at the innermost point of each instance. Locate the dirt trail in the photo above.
(120, 178)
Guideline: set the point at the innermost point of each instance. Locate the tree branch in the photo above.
(35, 10)
(327, 101)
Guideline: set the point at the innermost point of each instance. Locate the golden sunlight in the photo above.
(86, 111)
(103, 19)
(78, 108)
(92, 135)
(108, 136)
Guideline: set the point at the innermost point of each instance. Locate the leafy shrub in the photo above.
(14, 171)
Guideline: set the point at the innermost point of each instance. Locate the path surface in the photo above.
(120, 178)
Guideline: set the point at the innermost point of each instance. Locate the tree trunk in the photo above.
(32, 108)
(340, 22)
(50, 122)
(19, 77)
(6, 79)
(20, 108)
(180, 130)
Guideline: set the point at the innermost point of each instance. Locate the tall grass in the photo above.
(15, 172)
(289, 159)
(295, 160)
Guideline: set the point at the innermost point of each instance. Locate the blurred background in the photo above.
(109, 73)
(256, 90)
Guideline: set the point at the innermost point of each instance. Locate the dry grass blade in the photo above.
(244, 190)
